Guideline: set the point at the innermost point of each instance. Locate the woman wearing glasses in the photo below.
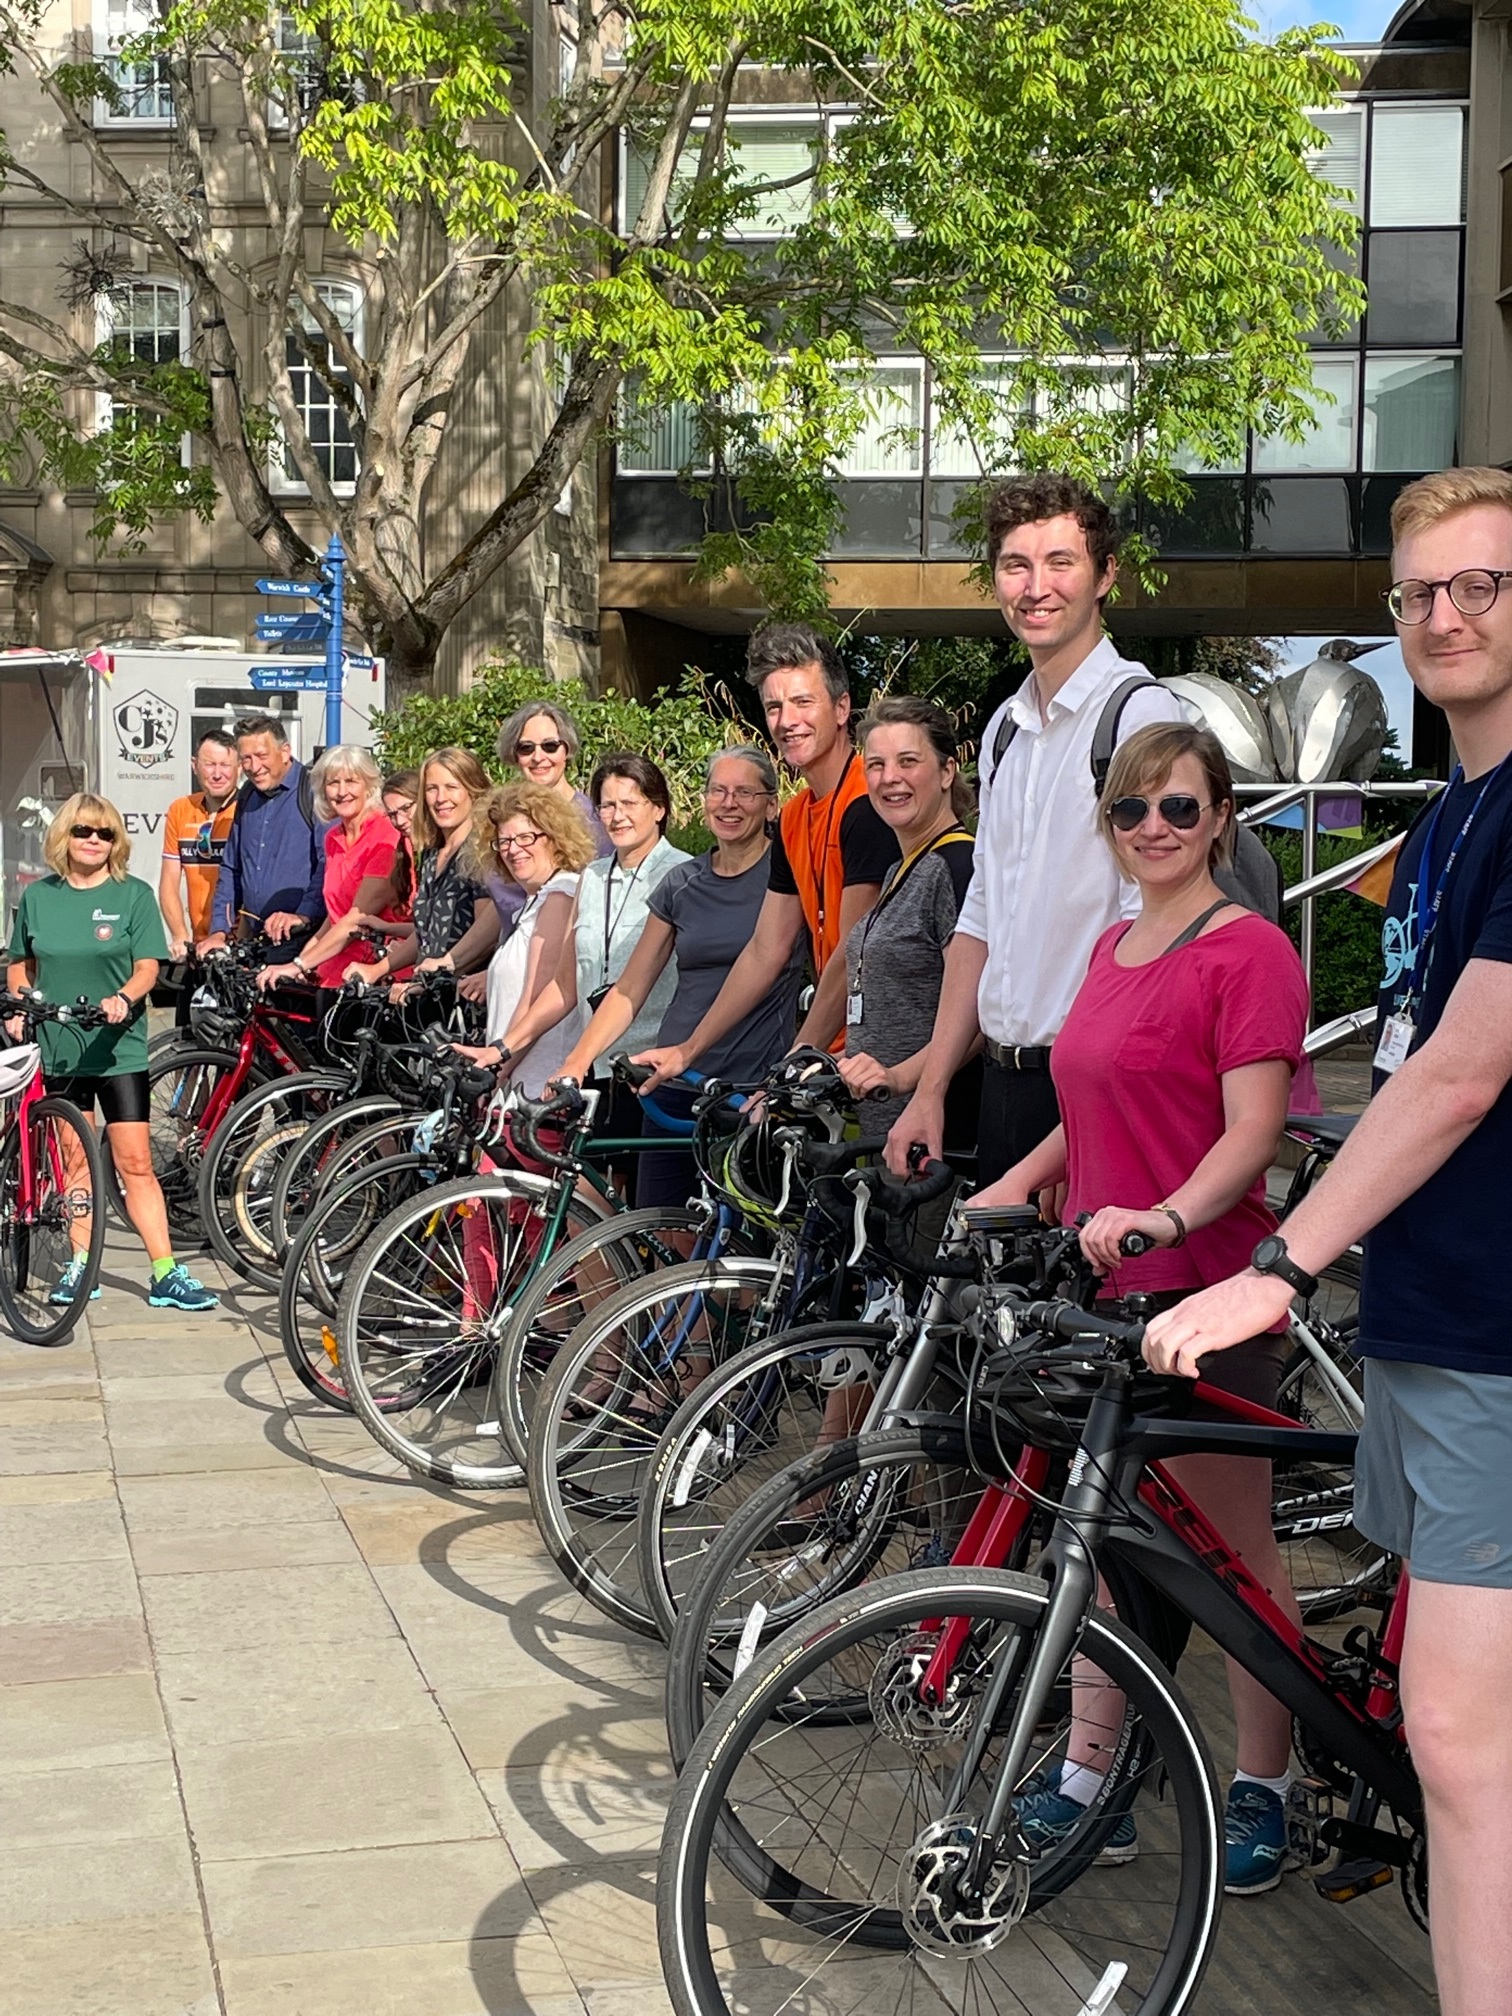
(89, 929)
(1173, 1072)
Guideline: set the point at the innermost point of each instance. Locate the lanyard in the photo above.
(907, 868)
(1423, 957)
(610, 929)
(820, 871)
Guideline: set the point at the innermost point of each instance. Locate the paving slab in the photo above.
(66, 1725)
(153, 1966)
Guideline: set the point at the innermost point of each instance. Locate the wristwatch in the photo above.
(1271, 1257)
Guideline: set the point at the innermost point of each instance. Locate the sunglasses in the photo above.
(548, 748)
(1179, 810)
(93, 832)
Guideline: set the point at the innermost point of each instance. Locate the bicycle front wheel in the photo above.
(839, 1853)
(51, 1213)
(235, 1208)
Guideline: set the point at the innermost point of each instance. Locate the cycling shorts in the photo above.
(126, 1097)
(1431, 1474)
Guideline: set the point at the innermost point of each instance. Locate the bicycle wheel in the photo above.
(47, 1222)
(236, 1224)
(187, 1086)
(1332, 1566)
(598, 1263)
(301, 1171)
(849, 1513)
(423, 1307)
(612, 1389)
(835, 1853)
(751, 1418)
(313, 1267)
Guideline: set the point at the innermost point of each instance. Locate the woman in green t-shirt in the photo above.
(88, 929)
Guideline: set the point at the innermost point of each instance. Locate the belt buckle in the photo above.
(1018, 1052)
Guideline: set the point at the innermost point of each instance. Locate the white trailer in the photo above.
(124, 721)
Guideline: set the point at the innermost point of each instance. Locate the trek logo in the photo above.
(145, 726)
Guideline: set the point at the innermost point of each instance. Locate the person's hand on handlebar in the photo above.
(1101, 1235)
(473, 986)
(275, 976)
(864, 1076)
(920, 1124)
(283, 924)
(665, 1064)
(488, 1054)
(215, 942)
(440, 962)
(1213, 1320)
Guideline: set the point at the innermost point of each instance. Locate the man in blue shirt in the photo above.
(274, 865)
(1426, 1181)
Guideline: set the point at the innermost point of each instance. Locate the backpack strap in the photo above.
(306, 796)
(1007, 729)
(1105, 734)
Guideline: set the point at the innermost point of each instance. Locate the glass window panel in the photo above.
(889, 441)
(1411, 412)
(1414, 287)
(952, 450)
(653, 514)
(764, 151)
(657, 440)
(324, 420)
(637, 172)
(1417, 171)
(952, 537)
(881, 519)
(1302, 515)
(1339, 160)
(1329, 441)
(144, 87)
(1210, 521)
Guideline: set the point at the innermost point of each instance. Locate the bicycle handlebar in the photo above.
(1073, 1325)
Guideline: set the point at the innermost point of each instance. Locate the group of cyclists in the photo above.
(1059, 975)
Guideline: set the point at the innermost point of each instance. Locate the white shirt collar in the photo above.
(1085, 680)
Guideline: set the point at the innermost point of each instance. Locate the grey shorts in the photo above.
(1433, 1471)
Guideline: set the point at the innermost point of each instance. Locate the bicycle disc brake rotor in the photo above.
(897, 1703)
(938, 1917)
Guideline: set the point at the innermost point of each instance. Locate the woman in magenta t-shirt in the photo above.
(1173, 1072)
(360, 846)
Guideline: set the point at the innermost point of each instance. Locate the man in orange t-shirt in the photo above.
(194, 839)
(830, 854)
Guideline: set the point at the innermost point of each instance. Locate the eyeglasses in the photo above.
(1472, 591)
(93, 832)
(1179, 810)
(547, 748)
(516, 841)
(743, 794)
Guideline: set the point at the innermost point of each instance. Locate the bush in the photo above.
(1347, 942)
(680, 730)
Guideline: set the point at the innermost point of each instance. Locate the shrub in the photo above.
(1347, 941)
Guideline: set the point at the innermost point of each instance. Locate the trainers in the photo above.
(1047, 1817)
(1256, 1841)
(178, 1289)
(67, 1288)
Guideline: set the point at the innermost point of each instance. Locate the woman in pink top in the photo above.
(1173, 1072)
(360, 846)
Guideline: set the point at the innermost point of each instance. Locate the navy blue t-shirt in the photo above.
(1434, 1289)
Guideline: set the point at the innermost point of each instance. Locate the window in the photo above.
(657, 440)
(762, 151)
(142, 322)
(1411, 412)
(1329, 441)
(952, 449)
(303, 63)
(1414, 287)
(1417, 171)
(889, 442)
(146, 98)
(324, 420)
(1339, 159)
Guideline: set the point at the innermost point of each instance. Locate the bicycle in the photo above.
(897, 1831)
(52, 1184)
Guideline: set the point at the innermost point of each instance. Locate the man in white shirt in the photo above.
(1045, 886)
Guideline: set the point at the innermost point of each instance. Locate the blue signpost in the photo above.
(335, 568)
(323, 625)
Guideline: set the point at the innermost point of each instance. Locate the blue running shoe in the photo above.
(1257, 1844)
(67, 1289)
(1046, 1817)
(178, 1289)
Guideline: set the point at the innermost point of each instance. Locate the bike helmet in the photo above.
(18, 1067)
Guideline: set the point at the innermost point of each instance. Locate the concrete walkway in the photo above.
(283, 1733)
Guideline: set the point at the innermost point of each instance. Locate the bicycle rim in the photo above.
(41, 1230)
(183, 1084)
(289, 1103)
(1331, 1564)
(303, 1173)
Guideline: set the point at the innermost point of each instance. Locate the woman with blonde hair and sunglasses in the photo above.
(1173, 1071)
(87, 929)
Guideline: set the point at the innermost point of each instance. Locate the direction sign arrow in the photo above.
(358, 660)
(291, 588)
(288, 678)
(306, 623)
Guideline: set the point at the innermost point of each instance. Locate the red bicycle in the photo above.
(52, 1186)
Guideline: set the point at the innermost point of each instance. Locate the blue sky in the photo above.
(1356, 20)
(1384, 666)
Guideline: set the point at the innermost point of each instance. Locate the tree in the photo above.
(1250, 662)
(1041, 180)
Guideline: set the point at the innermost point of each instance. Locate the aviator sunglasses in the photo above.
(1179, 810)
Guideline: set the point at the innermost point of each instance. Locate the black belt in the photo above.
(1018, 1056)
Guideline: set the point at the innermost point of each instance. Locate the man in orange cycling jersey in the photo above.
(830, 854)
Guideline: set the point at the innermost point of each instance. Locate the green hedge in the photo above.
(1347, 941)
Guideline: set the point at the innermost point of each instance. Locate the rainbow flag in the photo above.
(1374, 882)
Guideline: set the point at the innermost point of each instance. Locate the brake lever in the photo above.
(862, 1190)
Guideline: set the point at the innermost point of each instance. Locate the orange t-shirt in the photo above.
(825, 846)
(196, 837)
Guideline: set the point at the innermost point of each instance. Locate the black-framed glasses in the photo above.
(508, 845)
(93, 832)
(1472, 591)
(1180, 810)
(550, 747)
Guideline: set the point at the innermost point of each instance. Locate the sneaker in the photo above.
(67, 1288)
(1256, 1840)
(178, 1289)
(1047, 1817)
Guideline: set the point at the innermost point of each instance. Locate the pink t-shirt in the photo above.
(1139, 1069)
(348, 865)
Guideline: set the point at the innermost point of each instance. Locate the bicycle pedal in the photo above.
(1341, 1885)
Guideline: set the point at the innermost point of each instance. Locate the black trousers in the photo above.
(1018, 1110)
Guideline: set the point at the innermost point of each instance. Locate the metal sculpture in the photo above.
(1323, 723)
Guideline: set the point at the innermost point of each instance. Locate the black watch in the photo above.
(1271, 1257)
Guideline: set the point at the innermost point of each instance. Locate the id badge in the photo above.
(853, 1011)
(1396, 1041)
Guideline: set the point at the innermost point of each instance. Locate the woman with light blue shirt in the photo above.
(634, 804)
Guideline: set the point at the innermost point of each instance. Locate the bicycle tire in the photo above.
(181, 1086)
(602, 1408)
(543, 1317)
(754, 1416)
(1332, 1567)
(407, 1357)
(295, 1096)
(300, 1175)
(819, 1881)
(35, 1242)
